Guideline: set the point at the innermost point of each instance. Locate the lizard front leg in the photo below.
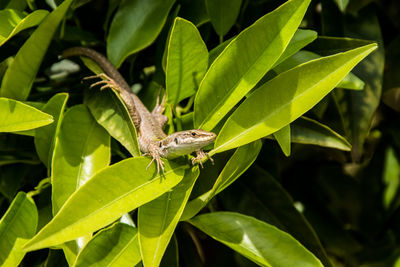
(200, 154)
(153, 151)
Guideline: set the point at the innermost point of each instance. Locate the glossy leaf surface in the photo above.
(309, 131)
(234, 73)
(157, 219)
(17, 226)
(13, 21)
(240, 161)
(82, 148)
(260, 195)
(145, 20)
(111, 113)
(286, 97)
(19, 77)
(283, 137)
(258, 241)
(17, 116)
(114, 246)
(187, 61)
(109, 194)
(350, 81)
(45, 136)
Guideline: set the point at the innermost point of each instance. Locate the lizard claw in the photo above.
(200, 154)
(106, 81)
(160, 164)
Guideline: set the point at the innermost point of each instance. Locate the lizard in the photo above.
(149, 125)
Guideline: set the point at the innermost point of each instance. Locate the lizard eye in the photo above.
(176, 141)
(193, 134)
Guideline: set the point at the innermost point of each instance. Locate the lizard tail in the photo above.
(101, 60)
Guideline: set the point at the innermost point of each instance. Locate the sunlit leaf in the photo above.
(187, 61)
(286, 97)
(45, 136)
(145, 20)
(234, 73)
(109, 194)
(17, 116)
(82, 149)
(240, 161)
(19, 77)
(13, 21)
(157, 219)
(17, 226)
(114, 246)
(258, 241)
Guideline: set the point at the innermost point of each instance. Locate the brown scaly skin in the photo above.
(149, 125)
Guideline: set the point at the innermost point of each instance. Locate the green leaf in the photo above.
(157, 219)
(82, 148)
(113, 191)
(45, 136)
(240, 161)
(111, 113)
(309, 131)
(223, 14)
(16, 227)
(286, 97)
(391, 177)
(350, 81)
(145, 20)
(283, 137)
(260, 195)
(258, 241)
(300, 39)
(19, 77)
(13, 21)
(234, 73)
(115, 246)
(17, 116)
(187, 61)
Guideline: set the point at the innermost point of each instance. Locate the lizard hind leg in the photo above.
(159, 109)
(106, 81)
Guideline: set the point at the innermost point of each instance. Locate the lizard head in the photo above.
(185, 142)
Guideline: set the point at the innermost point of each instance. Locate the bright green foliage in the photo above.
(282, 136)
(157, 219)
(237, 164)
(113, 246)
(187, 61)
(309, 131)
(286, 97)
(254, 239)
(110, 113)
(45, 136)
(19, 77)
(104, 202)
(303, 172)
(13, 21)
(16, 227)
(17, 116)
(350, 81)
(145, 20)
(235, 72)
(82, 149)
